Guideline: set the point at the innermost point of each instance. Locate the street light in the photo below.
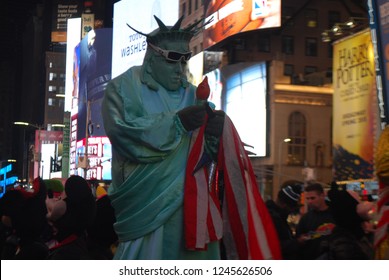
(58, 125)
(7, 160)
(286, 140)
(37, 157)
(28, 124)
(351, 26)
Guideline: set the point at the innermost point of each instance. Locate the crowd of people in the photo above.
(77, 222)
(57, 224)
(337, 224)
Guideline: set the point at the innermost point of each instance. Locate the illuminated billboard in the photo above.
(245, 100)
(99, 155)
(71, 82)
(129, 47)
(62, 11)
(194, 69)
(48, 149)
(91, 74)
(241, 91)
(354, 108)
(234, 16)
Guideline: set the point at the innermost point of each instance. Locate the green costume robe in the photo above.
(149, 154)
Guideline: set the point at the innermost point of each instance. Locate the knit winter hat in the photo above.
(290, 195)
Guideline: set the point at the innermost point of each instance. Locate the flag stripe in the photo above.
(202, 236)
(190, 197)
(381, 231)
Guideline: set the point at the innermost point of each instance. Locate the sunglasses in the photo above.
(172, 55)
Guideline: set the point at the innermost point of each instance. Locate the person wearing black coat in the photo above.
(287, 202)
(348, 240)
(24, 213)
(102, 238)
(71, 225)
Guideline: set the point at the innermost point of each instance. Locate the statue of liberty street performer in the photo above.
(152, 118)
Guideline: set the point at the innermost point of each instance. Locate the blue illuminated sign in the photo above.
(6, 181)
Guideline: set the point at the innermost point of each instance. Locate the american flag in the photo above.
(242, 220)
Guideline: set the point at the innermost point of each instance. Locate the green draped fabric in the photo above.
(149, 154)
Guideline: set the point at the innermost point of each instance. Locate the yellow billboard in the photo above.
(354, 108)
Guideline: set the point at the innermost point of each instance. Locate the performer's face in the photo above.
(168, 64)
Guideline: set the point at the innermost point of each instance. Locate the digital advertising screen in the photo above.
(63, 10)
(99, 156)
(245, 100)
(230, 17)
(194, 69)
(128, 46)
(91, 74)
(72, 61)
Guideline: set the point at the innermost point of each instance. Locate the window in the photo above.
(297, 133)
(311, 18)
(50, 102)
(61, 102)
(264, 43)
(288, 44)
(52, 88)
(52, 76)
(196, 4)
(319, 154)
(288, 70)
(311, 47)
(310, 69)
(333, 17)
(183, 11)
(189, 7)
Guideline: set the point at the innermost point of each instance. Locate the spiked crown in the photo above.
(174, 33)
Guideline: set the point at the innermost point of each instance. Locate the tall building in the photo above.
(55, 88)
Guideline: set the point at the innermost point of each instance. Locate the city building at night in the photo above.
(286, 43)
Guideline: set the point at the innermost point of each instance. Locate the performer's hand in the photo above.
(192, 117)
(215, 124)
